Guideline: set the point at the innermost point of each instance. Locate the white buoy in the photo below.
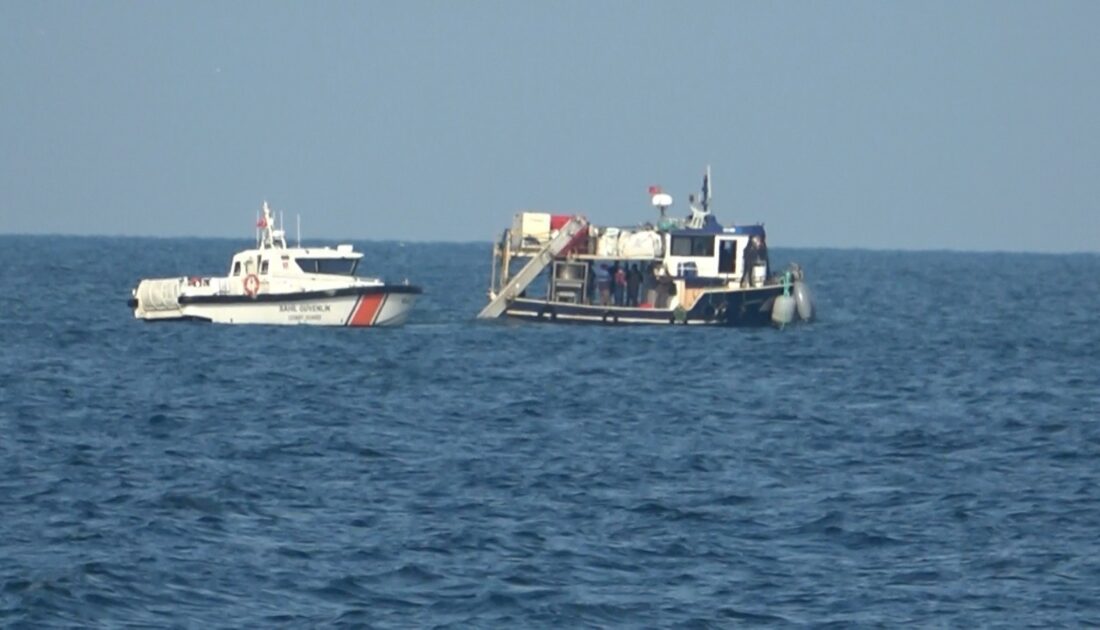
(803, 301)
(783, 310)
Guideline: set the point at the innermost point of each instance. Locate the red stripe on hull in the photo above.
(367, 310)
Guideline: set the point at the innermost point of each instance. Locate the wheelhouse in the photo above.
(341, 261)
(718, 255)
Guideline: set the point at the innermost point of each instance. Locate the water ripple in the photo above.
(922, 456)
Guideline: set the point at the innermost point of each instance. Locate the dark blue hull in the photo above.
(739, 307)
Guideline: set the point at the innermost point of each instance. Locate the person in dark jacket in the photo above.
(751, 254)
(633, 282)
(762, 254)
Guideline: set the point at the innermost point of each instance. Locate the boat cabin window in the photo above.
(338, 266)
(727, 256)
(687, 269)
(263, 267)
(692, 246)
(237, 268)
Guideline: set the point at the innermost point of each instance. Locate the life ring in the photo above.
(251, 285)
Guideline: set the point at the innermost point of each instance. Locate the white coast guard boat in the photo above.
(691, 271)
(276, 284)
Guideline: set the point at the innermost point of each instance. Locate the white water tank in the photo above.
(530, 229)
(639, 244)
(759, 274)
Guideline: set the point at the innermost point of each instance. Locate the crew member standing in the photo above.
(751, 254)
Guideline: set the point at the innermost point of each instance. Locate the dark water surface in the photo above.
(928, 454)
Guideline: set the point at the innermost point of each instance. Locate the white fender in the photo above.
(803, 301)
(783, 310)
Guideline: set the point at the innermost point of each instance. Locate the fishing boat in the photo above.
(273, 283)
(688, 271)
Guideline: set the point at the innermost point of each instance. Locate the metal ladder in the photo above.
(533, 268)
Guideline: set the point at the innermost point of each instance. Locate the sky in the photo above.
(915, 125)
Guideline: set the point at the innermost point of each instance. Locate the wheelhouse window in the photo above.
(336, 266)
(237, 268)
(692, 246)
(702, 246)
(263, 267)
(727, 256)
(681, 246)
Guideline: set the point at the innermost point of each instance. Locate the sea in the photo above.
(925, 454)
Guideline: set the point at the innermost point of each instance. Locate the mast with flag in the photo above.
(268, 235)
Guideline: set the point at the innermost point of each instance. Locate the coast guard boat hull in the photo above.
(276, 284)
(351, 306)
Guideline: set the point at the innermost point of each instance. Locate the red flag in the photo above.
(262, 223)
(654, 190)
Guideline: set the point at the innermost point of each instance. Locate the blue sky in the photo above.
(913, 125)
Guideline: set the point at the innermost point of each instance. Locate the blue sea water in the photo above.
(926, 454)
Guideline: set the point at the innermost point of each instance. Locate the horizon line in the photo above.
(332, 241)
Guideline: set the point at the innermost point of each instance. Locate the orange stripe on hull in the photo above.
(367, 310)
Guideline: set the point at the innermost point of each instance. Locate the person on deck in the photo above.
(751, 255)
(762, 254)
(618, 279)
(603, 283)
(649, 285)
(593, 294)
(633, 282)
